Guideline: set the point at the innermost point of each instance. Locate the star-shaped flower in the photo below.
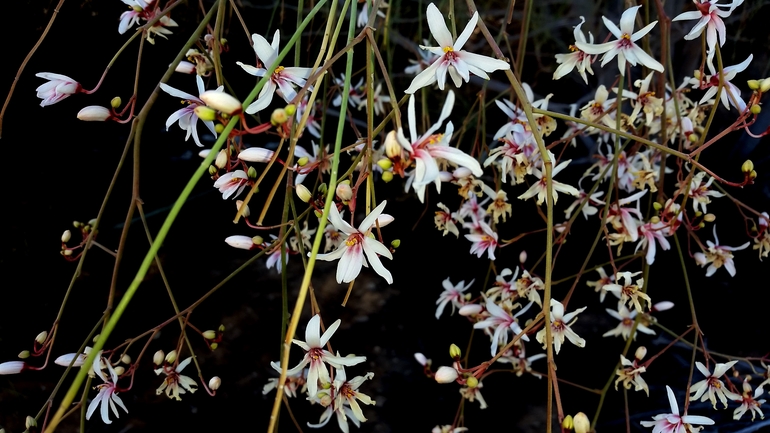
(673, 422)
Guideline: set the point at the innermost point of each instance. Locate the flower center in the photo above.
(625, 41)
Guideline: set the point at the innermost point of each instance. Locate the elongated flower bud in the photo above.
(214, 383)
(446, 375)
(221, 101)
(256, 154)
(94, 113)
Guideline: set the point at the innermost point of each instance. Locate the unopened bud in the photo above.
(387, 176)
(258, 240)
(185, 67)
(222, 159)
(753, 84)
(454, 351)
(385, 163)
(567, 424)
(471, 382)
(65, 237)
(119, 370)
(125, 359)
(24, 354)
(218, 128)
(157, 359)
(655, 220)
(747, 166)
(753, 175)
(12, 367)
(214, 383)
(221, 101)
(303, 193)
(96, 338)
(322, 188)
(470, 310)
(318, 213)
(67, 252)
(522, 257)
(30, 422)
(94, 113)
(446, 375)
(325, 399)
(246, 211)
(392, 147)
(344, 191)
(291, 109)
(303, 161)
(640, 353)
(256, 154)
(205, 113)
(693, 138)
(657, 206)
(252, 173)
(709, 217)
(755, 109)
(701, 225)
(213, 170)
(461, 172)
(210, 334)
(240, 242)
(279, 117)
(581, 423)
(421, 359)
(395, 243)
(171, 357)
(213, 346)
(116, 102)
(41, 337)
(764, 85)
(221, 328)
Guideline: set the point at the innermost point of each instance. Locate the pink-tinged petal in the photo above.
(94, 404)
(286, 90)
(485, 63)
(596, 48)
(641, 33)
(178, 93)
(467, 31)
(720, 28)
(372, 248)
(264, 51)
(329, 332)
(627, 20)
(438, 26)
(176, 116)
(424, 78)
(350, 264)
(368, 222)
(104, 410)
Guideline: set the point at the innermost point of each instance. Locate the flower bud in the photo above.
(303, 193)
(454, 351)
(221, 101)
(125, 359)
(747, 166)
(116, 102)
(387, 176)
(303, 161)
(567, 424)
(279, 117)
(291, 109)
(446, 375)
(640, 353)
(205, 113)
(240, 242)
(65, 237)
(204, 153)
(257, 241)
(522, 257)
(395, 243)
(471, 382)
(764, 85)
(185, 67)
(222, 327)
(461, 172)
(239, 204)
(12, 367)
(171, 357)
(210, 334)
(470, 310)
(213, 346)
(581, 423)
(218, 128)
(94, 113)
(693, 138)
(213, 170)
(119, 370)
(344, 191)
(709, 217)
(41, 337)
(318, 213)
(256, 154)
(657, 206)
(753, 175)
(222, 159)
(214, 383)
(24, 354)
(755, 109)
(30, 422)
(663, 306)
(421, 359)
(157, 358)
(96, 338)
(655, 220)
(701, 225)
(325, 399)
(385, 164)
(392, 147)
(753, 84)
(252, 173)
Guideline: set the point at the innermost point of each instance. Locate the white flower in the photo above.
(731, 95)
(626, 318)
(107, 396)
(316, 355)
(57, 88)
(346, 392)
(750, 403)
(176, 383)
(714, 386)
(453, 294)
(560, 327)
(539, 188)
(498, 322)
(460, 64)
(673, 422)
(717, 256)
(232, 183)
(351, 252)
(186, 116)
(577, 58)
(624, 47)
(282, 80)
(709, 17)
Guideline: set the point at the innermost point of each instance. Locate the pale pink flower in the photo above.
(498, 322)
(186, 116)
(232, 183)
(107, 396)
(452, 294)
(731, 95)
(673, 422)
(452, 58)
(283, 79)
(624, 47)
(709, 18)
(484, 240)
(577, 58)
(351, 252)
(12, 367)
(560, 327)
(652, 232)
(57, 88)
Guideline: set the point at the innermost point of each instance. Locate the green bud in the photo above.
(252, 173)
(747, 166)
(303, 161)
(221, 328)
(171, 357)
(567, 424)
(258, 240)
(387, 176)
(385, 163)
(471, 382)
(755, 109)
(214, 346)
(24, 354)
(455, 351)
(395, 243)
(709, 217)
(205, 113)
(219, 128)
(323, 188)
(213, 170)
(116, 102)
(753, 84)
(291, 109)
(41, 337)
(279, 117)
(764, 85)
(655, 220)
(210, 334)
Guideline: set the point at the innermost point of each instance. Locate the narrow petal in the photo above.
(438, 26)
(370, 246)
(467, 31)
(485, 63)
